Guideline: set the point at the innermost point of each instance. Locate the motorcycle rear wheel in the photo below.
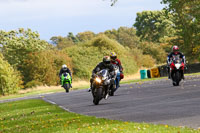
(112, 91)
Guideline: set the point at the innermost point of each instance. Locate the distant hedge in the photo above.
(42, 68)
(155, 50)
(10, 81)
(141, 59)
(85, 56)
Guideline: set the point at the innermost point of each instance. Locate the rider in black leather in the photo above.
(64, 69)
(105, 64)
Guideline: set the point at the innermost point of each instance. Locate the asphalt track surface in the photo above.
(157, 102)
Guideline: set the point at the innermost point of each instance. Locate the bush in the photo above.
(44, 67)
(10, 81)
(85, 56)
(155, 50)
(142, 60)
(33, 83)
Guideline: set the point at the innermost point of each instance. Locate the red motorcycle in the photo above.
(177, 70)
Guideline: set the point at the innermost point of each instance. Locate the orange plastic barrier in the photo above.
(155, 73)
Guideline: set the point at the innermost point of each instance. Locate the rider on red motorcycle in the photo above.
(175, 52)
(115, 60)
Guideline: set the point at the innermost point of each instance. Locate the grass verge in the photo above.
(37, 116)
(45, 89)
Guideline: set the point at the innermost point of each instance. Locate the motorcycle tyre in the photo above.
(97, 96)
(66, 87)
(176, 79)
(111, 93)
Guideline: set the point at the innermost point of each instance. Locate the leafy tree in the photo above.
(62, 42)
(187, 22)
(141, 59)
(10, 80)
(84, 36)
(71, 36)
(154, 25)
(127, 37)
(17, 44)
(124, 35)
(112, 34)
(43, 67)
(154, 50)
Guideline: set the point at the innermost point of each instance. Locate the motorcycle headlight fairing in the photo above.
(177, 66)
(98, 80)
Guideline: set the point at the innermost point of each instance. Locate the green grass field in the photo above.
(40, 117)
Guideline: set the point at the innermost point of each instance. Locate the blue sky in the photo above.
(58, 17)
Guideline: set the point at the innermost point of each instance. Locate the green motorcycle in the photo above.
(66, 81)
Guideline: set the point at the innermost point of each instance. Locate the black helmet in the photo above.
(106, 60)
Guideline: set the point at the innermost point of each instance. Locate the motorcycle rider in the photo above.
(105, 64)
(116, 61)
(175, 52)
(65, 69)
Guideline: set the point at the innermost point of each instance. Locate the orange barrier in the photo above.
(155, 73)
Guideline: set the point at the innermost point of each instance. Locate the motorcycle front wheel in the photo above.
(66, 87)
(177, 78)
(97, 95)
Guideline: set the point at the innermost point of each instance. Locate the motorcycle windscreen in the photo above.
(104, 74)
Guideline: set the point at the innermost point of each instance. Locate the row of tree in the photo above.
(33, 62)
(178, 23)
(187, 24)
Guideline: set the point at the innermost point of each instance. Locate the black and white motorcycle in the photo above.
(101, 86)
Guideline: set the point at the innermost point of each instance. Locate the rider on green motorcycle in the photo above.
(65, 69)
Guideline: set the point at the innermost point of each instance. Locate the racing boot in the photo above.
(106, 97)
(182, 75)
(169, 76)
(89, 89)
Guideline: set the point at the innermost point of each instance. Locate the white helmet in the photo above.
(64, 67)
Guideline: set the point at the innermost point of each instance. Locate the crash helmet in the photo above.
(106, 60)
(175, 49)
(113, 56)
(64, 67)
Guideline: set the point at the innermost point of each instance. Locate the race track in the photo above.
(152, 102)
